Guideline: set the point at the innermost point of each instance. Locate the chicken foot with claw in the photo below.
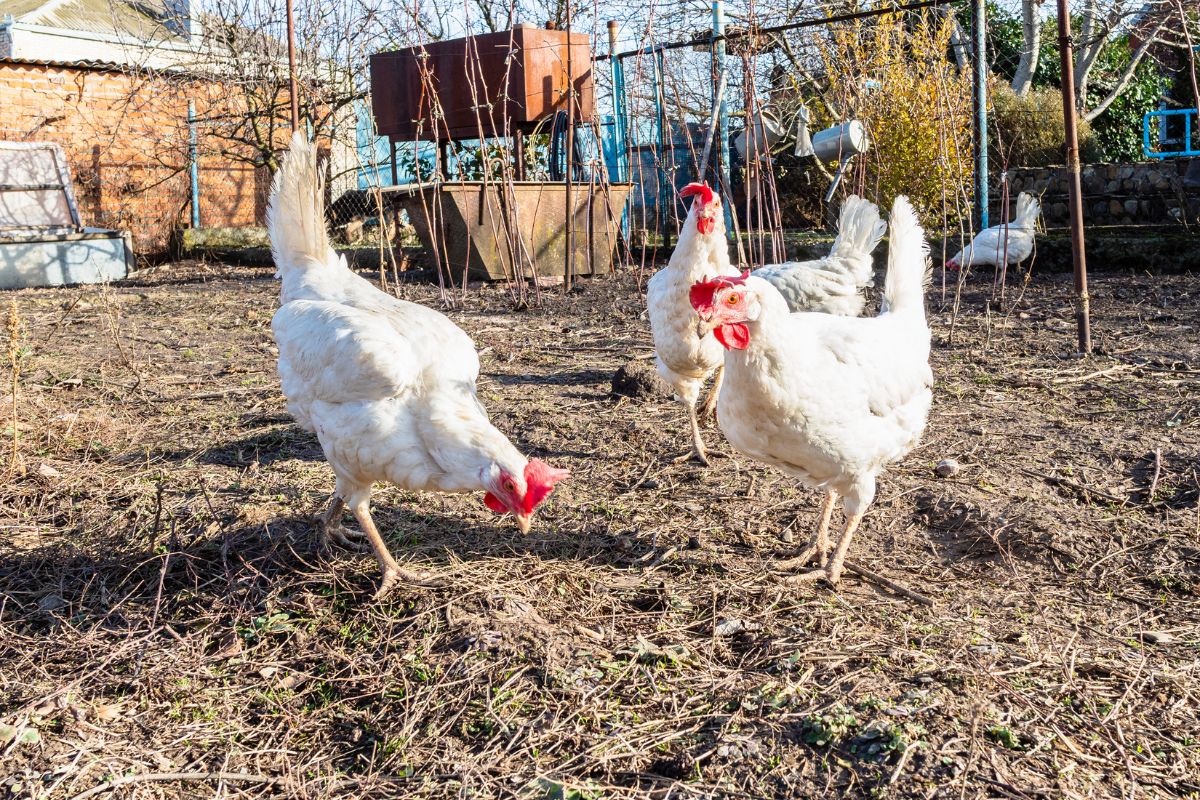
(832, 572)
(818, 546)
(392, 572)
(334, 533)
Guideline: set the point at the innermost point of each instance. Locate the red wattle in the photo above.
(733, 336)
(705, 225)
(491, 501)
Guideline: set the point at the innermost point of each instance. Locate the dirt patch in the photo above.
(169, 625)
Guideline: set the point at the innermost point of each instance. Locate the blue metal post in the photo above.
(981, 131)
(193, 163)
(665, 196)
(616, 73)
(718, 29)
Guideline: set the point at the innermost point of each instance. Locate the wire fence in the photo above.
(876, 101)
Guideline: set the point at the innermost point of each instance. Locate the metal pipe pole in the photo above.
(718, 32)
(194, 163)
(614, 67)
(292, 92)
(1078, 250)
(660, 152)
(981, 131)
(620, 126)
(569, 261)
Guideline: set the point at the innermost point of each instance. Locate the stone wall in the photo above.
(1154, 193)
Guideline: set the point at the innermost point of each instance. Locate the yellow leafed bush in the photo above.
(894, 74)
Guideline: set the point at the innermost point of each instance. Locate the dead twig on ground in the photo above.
(1072, 484)
(888, 583)
(1157, 475)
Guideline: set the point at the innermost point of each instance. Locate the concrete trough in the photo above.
(42, 239)
(30, 259)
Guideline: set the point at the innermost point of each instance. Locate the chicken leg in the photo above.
(698, 452)
(832, 572)
(392, 572)
(819, 545)
(710, 403)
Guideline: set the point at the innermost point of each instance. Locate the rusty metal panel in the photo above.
(477, 85)
(478, 230)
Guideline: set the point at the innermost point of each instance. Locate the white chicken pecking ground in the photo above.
(829, 400)
(1009, 244)
(687, 356)
(387, 386)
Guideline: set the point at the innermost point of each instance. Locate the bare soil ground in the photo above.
(170, 629)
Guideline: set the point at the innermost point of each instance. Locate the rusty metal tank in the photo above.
(478, 85)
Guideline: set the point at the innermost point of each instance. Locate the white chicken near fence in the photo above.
(828, 400)
(834, 284)
(387, 386)
(1010, 243)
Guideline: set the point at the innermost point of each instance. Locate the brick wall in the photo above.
(126, 139)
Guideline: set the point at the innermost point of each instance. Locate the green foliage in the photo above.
(1117, 132)
(828, 729)
(1009, 738)
(892, 74)
(1119, 128)
(468, 162)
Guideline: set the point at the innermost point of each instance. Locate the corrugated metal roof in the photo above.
(144, 20)
(19, 8)
(101, 66)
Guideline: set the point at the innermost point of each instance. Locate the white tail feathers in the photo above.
(296, 211)
(909, 266)
(1028, 210)
(859, 232)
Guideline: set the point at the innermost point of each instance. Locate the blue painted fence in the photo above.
(1168, 122)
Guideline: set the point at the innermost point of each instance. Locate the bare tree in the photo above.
(1031, 44)
(1100, 20)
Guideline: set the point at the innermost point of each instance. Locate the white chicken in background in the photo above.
(834, 284)
(387, 386)
(1010, 243)
(686, 356)
(829, 400)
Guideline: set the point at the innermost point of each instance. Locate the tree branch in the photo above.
(1127, 75)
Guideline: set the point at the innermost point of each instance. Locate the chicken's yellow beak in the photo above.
(524, 522)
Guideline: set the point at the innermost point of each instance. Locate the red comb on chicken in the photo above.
(706, 205)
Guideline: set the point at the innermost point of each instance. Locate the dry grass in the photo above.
(169, 628)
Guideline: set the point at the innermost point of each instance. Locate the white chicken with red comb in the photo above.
(834, 284)
(387, 386)
(686, 356)
(829, 400)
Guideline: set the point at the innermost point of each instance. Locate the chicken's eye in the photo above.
(733, 299)
(510, 487)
